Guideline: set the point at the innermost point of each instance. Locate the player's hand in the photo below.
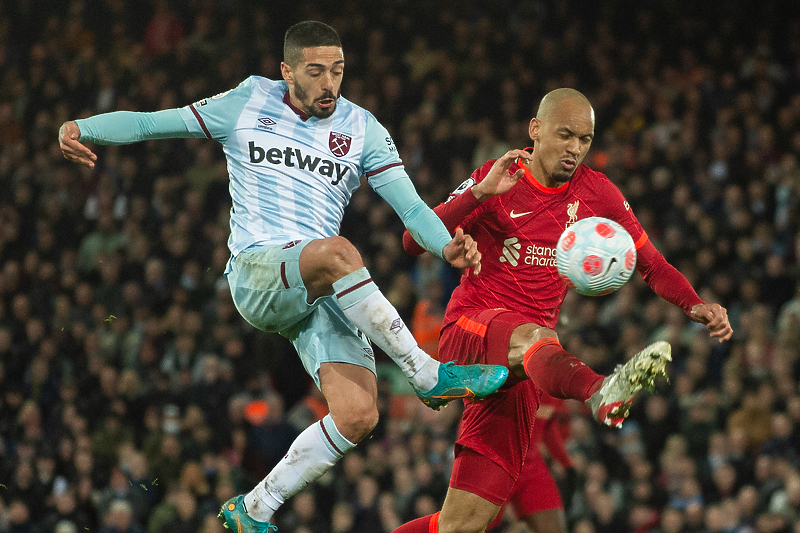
(499, 179)
(68, 136)
(462, 252)
(715, 318)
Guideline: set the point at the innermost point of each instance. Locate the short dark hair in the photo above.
(307, 34)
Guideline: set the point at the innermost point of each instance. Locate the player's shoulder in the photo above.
(265, 84)
(586, 172)
(344, 103)
(484, 169)
(251, 85)
(594, 179)
(357, 120)
(346, 108)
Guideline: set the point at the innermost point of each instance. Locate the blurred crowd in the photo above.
(134, 398)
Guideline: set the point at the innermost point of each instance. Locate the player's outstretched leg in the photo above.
(611, 404)
(435, 384)
(235, 517)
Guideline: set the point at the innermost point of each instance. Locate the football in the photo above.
(595, 256)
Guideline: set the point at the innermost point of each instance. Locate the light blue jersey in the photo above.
(291, 176)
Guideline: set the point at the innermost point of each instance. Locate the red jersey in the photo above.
(517, 232)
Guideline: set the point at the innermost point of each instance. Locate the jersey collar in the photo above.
(533, 181)
(299, 112)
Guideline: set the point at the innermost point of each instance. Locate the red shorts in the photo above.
(535, 489)
(498, 428)
(533, 492)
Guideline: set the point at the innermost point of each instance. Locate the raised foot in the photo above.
(467, 381)
(235, 518)
(611, 404)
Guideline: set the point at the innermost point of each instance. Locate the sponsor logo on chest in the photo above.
(532, 255)
(295, 158)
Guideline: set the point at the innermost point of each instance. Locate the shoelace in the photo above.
(447, 368)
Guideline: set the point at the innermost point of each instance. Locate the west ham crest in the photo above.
(339, 143)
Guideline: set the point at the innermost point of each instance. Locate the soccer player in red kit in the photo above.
(516, 208)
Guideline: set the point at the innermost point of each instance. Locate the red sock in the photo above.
(559, 373)
(426, 524)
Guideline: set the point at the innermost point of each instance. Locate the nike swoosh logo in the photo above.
(610, 264)
(512, 214)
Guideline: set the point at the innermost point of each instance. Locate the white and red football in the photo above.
(595, 256)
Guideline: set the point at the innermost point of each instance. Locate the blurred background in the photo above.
(134, 398)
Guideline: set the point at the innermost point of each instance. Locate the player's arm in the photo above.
(553, 440)
(673, 286)
(118, 127)
(458, 206)
(664, 278)
(212, 117)
(384, 170)
(422, 222)
(451, 213)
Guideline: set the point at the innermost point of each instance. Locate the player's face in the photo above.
(562, 141)
(314, 83)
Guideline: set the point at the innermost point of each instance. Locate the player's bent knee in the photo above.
(342, 257)
(356, 421)
(325, 261)
(467, 524)
(466, 516)
(523, 337)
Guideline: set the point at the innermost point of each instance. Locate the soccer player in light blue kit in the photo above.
(295, 152)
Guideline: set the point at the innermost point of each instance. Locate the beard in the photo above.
(561, 177)
(311, 109)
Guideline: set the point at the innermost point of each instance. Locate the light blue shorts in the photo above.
(269, 293)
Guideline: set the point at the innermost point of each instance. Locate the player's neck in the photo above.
(536, 172)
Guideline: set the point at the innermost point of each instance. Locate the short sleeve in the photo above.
(379, 160)
(216, 117)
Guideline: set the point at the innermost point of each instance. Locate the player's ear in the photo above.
(533, 129)
(286, 72)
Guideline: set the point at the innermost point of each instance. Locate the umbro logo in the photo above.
(397, 325)
(266, 122)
